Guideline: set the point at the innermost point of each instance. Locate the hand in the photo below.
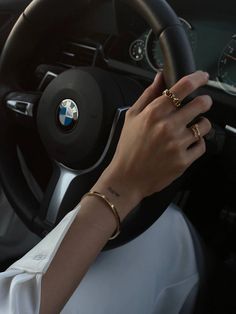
(156, 146)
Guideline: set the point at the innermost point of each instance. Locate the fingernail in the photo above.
(207, 74)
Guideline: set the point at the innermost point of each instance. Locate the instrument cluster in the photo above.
(145, 52)
(146, 49)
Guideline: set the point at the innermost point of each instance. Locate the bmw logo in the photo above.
(67, 114)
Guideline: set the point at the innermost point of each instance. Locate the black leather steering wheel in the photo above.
(80, 153)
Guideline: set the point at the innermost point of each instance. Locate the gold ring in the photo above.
(196, 131)
(175, 100)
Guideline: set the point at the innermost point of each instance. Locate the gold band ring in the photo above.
(196, 131)
(175, 100)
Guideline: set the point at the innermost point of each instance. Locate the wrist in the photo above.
(117, 190)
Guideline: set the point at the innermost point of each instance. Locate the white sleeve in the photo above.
(20, 284)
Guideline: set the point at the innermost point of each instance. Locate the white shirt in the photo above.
(152, 274)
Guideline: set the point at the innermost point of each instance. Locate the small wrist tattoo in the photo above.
(113, 192)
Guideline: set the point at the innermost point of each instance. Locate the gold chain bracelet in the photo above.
(111, 207)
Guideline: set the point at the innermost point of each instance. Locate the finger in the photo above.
(150, 93)
(204, 126)
(188, 113)
(187, 85)
(196, 151)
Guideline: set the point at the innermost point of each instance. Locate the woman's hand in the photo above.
(156, 146)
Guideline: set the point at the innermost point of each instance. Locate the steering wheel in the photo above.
(82, 144)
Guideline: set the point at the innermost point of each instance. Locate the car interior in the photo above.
(113, 43)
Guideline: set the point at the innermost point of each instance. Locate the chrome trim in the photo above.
(230, 129)
(67, 175)
(69, 54)
(66, 65)
(231, 90)
(65, 178)
(186, 23)
(28, 111)
(91, 53)
(49, 73)
(83, 46)
(219, 85)
(214, 84)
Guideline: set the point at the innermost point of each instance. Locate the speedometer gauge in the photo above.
(137, 50)
(227, 67)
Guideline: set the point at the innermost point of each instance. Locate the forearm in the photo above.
(86, 237)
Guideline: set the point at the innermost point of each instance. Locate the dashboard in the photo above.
(211, 29)
(217, 56)
(112, 35)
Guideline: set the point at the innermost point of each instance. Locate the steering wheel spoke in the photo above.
(60, 183)
(67, 186)
(64, 192)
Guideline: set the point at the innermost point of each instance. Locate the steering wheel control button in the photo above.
(22, 103)
(67, 114)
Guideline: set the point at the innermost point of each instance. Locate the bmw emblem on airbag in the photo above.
(67, 114)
